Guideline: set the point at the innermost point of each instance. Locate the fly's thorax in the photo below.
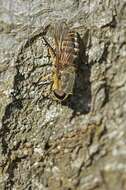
(63, 83)
(68, 79)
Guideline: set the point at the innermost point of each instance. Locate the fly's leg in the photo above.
(51, 51)
(43, 80)
(46, 80)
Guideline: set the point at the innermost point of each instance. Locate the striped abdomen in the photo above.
(69, 48)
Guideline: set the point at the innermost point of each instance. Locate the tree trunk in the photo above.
(78, 144)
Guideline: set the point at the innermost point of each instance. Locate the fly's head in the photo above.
(63, 83)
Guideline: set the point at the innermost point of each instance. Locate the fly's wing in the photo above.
(60, 30)
(66, 45)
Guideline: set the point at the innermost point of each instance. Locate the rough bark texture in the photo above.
(81, 143)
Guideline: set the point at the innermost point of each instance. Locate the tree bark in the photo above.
(78, 144)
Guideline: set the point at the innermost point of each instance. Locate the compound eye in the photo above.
(59, 94)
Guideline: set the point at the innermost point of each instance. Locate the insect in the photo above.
(64, 60)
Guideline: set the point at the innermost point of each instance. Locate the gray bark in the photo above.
(79, 144)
